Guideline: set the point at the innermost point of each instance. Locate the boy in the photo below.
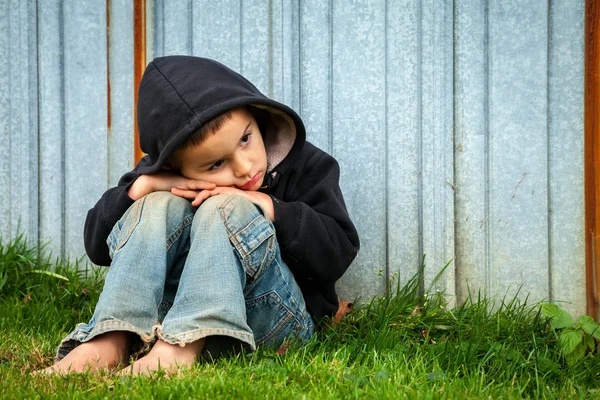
(230, 233)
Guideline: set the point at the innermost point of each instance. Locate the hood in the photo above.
(178, 94)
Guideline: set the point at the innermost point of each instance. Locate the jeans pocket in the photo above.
(270, 320)
(121, 232)
(256, 245)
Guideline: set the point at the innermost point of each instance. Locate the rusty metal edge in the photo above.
(592, 156)
(139, 65)
(108, 103)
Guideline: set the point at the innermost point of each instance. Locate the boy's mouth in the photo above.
(251, 183)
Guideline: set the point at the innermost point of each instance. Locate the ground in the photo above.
(406, 345)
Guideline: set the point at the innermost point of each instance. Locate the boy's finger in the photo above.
(197, 185)
(200, 197)
(209, 184)
(187, 194)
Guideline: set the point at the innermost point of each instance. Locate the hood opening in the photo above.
(279, 135)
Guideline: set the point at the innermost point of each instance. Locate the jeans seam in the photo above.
(302, 312)
(239, 246)
(125, 237)
(177, 233)
(264, 264)
(278, 328)
(227, 199)
(247, 227)
(289, 316)
(231, 232)
(221, 208)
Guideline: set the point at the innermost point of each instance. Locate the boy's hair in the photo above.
(196, 138)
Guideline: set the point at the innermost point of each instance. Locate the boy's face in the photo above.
(234, 155)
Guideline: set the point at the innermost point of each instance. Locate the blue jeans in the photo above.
(180, 274)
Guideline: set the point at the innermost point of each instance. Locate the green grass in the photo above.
(402, 346)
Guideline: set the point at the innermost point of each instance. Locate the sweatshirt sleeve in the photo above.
(105, 214)
(314, 231)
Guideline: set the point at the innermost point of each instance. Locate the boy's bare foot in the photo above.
(167, 357)
(102, 352)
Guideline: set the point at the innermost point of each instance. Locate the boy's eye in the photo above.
(246, 138)
(216, 165)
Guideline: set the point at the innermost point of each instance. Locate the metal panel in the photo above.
(173, 34)
(5, 131)
(19, 94)
(471, 148)
(518, 148)
(378, 87)
(256, 45)
(502, 125)
(359, 136)
(120, 66)
(85, 129)
(315, 53)
(285, 69)
(437, 147)
(404, 224)
(51, 117)
(209, 17)
(565, 158)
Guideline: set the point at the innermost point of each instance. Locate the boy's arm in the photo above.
(314, 230)
(103, 216)
(113, 204)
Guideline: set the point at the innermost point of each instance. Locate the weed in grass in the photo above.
(575, 338)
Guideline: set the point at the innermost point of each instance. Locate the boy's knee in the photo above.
(165, 199)
(239, 205)
(160, 201)
(213, 203)
(225, 205)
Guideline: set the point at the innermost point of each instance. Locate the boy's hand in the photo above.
(194, 192)
(162, 182)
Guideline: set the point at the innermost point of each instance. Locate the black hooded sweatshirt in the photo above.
(177, 95)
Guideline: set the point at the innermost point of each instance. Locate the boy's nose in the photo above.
(243, 168)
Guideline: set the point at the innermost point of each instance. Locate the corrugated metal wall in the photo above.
(458, 125)
(61, 152)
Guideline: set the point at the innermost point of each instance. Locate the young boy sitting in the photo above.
(230, 233)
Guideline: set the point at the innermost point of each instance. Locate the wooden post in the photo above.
(139, 65)
(592, 156)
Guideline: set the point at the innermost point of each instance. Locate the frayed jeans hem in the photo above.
(189, 337)
(82, 335)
